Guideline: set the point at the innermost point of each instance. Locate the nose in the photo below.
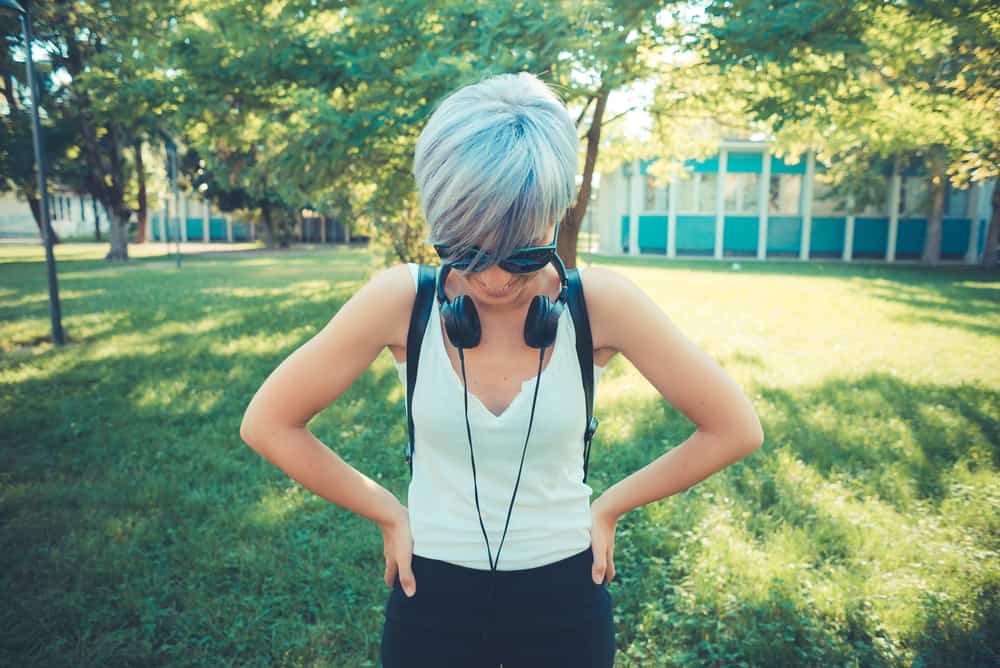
(495, 278)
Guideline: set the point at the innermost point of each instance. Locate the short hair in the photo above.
(496, 165)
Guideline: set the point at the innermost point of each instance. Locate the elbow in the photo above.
(249, 434)
(753, 438)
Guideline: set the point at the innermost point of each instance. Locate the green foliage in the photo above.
(869, 81)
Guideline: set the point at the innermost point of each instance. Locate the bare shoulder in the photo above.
(391, 291)
(610, 297)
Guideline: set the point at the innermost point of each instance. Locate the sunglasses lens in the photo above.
(460, 262)
(528, 261)
(524, 261)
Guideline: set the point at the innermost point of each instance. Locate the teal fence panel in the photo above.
(745, 162)
(217, 229)
(910, 235)
(194, 229)
(740, 234)
(653, 234)
(955, 237)
(827, 237)
(696, 235)
(981, 237)
(784, 234)
(241, 231)
(154, 228)
(625, 230)
(871, 237)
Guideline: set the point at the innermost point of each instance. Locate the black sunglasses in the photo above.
(521, 261)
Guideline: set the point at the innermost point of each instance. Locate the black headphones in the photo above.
(461, 320)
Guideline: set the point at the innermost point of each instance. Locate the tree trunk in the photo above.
(118, 231)
(932, 242)
(992, 230)
(97, 219)
(569, 230)
(140, 175)
(36, 212)
(265, 213)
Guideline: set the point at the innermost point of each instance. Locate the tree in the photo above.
(330, 99)
(872, 81)
(105, 99)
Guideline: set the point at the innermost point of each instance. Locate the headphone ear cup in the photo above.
(461, 321)
(542, 322)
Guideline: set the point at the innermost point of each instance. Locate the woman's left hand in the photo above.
(602, 542)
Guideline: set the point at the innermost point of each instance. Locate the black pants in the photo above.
(550, 616)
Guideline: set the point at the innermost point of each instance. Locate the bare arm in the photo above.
(624, 319)
(312, 377)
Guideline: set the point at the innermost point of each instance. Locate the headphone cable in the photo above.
(468, 428)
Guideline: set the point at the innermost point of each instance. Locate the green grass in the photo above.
(137, 529)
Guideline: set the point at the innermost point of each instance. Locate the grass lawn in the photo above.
(136, 528)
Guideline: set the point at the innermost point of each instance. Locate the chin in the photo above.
(508, 294)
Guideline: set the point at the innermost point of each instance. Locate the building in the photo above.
(76, 216)
(746, 202)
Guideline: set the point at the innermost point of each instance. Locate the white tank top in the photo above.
(550, 519)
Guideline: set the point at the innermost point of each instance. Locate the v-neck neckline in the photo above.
(456, 378)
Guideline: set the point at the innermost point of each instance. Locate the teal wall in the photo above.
(194, 229)
(784, 234)
(695, 234)
(955, 236)
(653, 234)
(241, 231)
(910, 235)
(871, 236)
(740, 234)
(710, 164)
(779, 166)
(217, 229)
(745, 162)
(827, 236)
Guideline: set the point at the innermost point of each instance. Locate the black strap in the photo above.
(414, 338)
(585, 354)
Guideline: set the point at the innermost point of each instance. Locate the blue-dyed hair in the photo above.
(496, 165)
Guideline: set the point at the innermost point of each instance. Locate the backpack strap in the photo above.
(414, 338)
(585, 355)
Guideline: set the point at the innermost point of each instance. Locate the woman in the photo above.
(495, 168)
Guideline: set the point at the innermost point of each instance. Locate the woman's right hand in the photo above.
(397, 542)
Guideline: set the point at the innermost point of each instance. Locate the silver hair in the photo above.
(496, 165)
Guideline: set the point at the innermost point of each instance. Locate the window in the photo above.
(824, 202)
(741, 193)
(655, 196)
(706, 192)
(783, 194)
(686, 193)
(956, 203)
(696, 193)
(914, 198)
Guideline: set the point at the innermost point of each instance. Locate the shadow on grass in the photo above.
(137, 528)
(856, 483)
